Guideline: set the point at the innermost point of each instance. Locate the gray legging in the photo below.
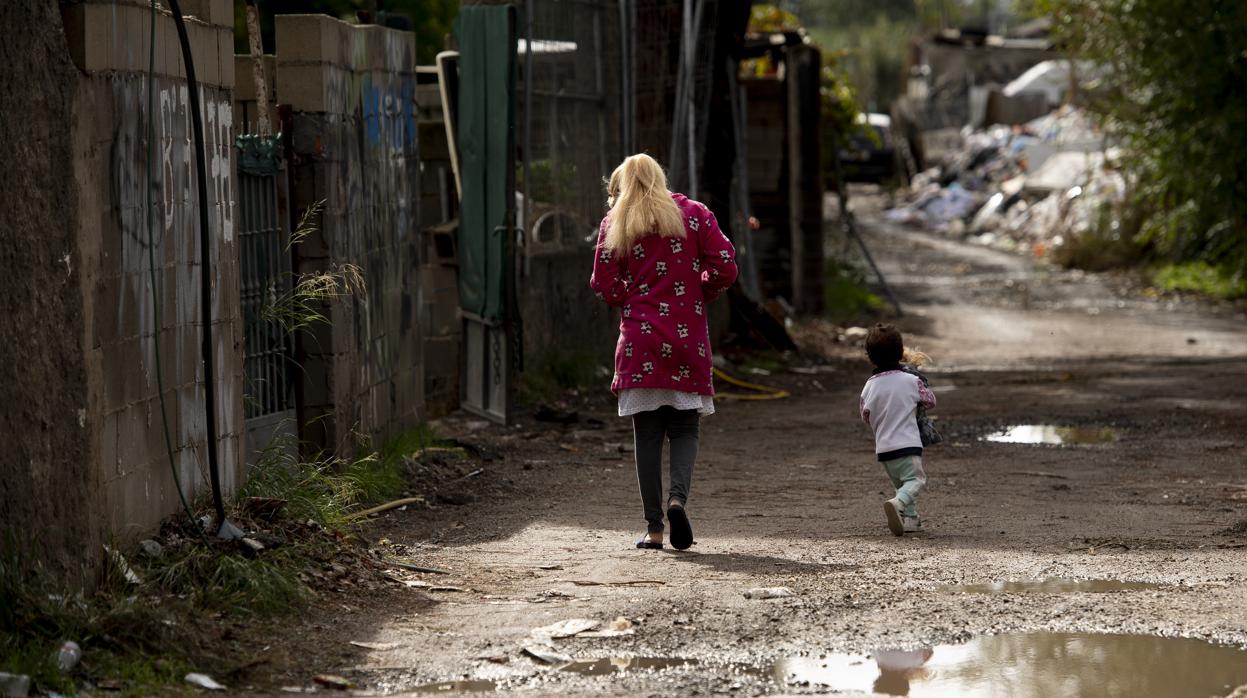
(683, 428)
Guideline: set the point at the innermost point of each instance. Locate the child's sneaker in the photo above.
(911, 524)
(894, 511)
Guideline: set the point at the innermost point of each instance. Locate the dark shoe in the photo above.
(647, 543)
(681, 529)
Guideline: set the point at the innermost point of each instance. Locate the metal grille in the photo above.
(265, 277)
(663, 95)
(568, 101)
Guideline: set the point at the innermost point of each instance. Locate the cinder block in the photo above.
(218, 13)
(225, 58)
(304, 39)
(304, 87)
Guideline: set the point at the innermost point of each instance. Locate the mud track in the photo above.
(787, 493)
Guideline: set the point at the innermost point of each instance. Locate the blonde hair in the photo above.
(916, 358)
(640, 205)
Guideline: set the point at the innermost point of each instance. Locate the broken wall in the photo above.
(351, 90)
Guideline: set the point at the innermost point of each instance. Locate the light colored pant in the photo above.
(908, 478)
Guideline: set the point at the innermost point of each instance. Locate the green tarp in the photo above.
(485, 129)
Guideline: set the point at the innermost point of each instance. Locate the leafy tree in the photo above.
(1178, 102)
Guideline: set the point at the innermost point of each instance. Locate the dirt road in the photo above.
(787, 493)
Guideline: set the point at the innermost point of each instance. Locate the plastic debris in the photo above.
(565, 628)
(14, 685)
(204, 681)
(769, 593)
(338, 683)
(119, 561)
(616, 628)
(68, 655)
(545, 654)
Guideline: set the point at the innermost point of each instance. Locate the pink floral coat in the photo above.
(662, 287)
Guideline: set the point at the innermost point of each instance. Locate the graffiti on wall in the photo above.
(173, 198)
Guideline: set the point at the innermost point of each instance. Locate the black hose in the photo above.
(205, 264)
(151, 258)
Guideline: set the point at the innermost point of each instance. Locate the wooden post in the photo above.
(257, 67)
(796, 207)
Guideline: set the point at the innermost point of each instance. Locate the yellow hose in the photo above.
(764, 392)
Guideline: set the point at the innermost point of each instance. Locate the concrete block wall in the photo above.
(109, 43)
(351, 90)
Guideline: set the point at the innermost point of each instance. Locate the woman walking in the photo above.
(661, 259)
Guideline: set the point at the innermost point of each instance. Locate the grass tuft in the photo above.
(1200, 277)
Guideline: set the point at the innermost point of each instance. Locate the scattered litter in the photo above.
(549, 567)
(545, 654)
(617, 583)
(410, 567)
(337, 683)
(416, 568)
(119, 561)
(396, 504)
(379, 646)
(253, 545)
(549, 595)
(564, 628)
(204, 681)
(769, 593)
(68, 655)
(616, 628)
(18, 685)
(298, 689)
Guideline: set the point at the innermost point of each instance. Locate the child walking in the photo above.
(889, 406)
(661, 259)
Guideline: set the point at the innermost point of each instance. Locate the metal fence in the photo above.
(600, 80)
(569, 110)
(265, 276)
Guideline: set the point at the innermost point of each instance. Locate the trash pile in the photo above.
(1028, 187)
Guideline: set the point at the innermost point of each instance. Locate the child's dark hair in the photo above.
(884, 345)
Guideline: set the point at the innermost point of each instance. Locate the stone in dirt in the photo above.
(150, 548)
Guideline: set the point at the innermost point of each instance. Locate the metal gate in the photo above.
(264, 278)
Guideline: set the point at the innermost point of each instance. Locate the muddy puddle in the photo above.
(1051, 434)
(465, 686)
(1032, 664)
(1052, 586)
(610, 665)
